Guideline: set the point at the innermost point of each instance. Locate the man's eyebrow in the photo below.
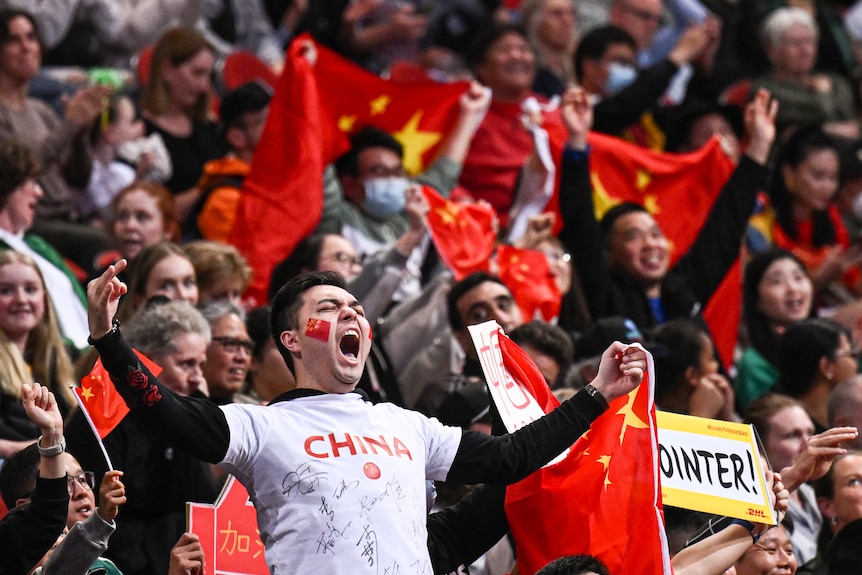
(477, 305)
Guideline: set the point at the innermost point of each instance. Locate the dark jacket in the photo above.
(687, 287)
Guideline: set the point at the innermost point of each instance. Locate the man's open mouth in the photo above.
(350, 343)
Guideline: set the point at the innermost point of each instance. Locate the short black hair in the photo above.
(9, 14)
(574, 565)
(478, 50)
(257, 325)
(288, 300)
(596, 43)
(18, 475)
(250, 97)
(552, 340)
(18, 163)
(799, 352)
(462, 287)
(683, 341)
(367, 137)
(615, 213)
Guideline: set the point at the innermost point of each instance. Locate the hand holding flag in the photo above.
(621, 370)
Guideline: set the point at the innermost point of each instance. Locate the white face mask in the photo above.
(384, 197)
(620, 76)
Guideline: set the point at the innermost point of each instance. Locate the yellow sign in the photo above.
(712, 466)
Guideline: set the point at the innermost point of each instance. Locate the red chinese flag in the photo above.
(282, 196)
(527, 275)
(102, 405)
(604, 498)
(679, 191)
(313, 112)
(462, 233)
(417, 114)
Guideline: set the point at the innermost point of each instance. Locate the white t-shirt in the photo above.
(338, 483)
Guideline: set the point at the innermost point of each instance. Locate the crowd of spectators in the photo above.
(121, 137)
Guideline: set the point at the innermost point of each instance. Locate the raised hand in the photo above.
(760, 125)
(577, 115)
(41, 407)
(815, 460)
(112, 494)
(621, 370)
(103, 299)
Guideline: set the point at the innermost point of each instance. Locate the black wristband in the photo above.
(597, 395)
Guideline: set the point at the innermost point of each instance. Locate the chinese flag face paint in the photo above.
(317, 329)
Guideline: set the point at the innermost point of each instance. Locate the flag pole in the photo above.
(95, 431)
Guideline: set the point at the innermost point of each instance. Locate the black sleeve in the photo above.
(460, 534)
(616, 113)
(581, 234)
(716, 247)
(509, 458)
(195, 425)
(29, 531)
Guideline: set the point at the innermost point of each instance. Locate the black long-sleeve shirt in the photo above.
(30, 530)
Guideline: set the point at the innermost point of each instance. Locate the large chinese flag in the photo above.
(103, 407)
(679, 191)
(313, 112)
(604, 498)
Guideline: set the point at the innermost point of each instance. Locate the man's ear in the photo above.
(290, 341)
(21, 501)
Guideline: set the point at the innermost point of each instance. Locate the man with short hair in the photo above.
(339, 484)
(632, 276)
(626, 96)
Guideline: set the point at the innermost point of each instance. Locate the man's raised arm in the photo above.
(194, 425)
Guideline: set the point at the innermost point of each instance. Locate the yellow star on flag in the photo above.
(602, 200)
(642, 179)
(630, 418)
(87, 393)
(651, 204)
(415, 142)
(345, 123)
(379, 104)
(605, 460)
(607, 480)
(447, 214)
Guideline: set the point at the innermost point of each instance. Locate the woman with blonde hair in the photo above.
(221, 271)
(176, 105)
(31, 346)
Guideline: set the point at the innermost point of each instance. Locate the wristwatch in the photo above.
(52, 451)
(596, 394)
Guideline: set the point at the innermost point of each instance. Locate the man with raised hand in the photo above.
(339, 483)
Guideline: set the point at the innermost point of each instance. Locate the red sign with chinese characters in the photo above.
(228, 533)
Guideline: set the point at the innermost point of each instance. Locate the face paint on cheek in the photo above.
(317, 329)
(369, 332)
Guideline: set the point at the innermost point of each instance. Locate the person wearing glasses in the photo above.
(87, 528)
(229, 352)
